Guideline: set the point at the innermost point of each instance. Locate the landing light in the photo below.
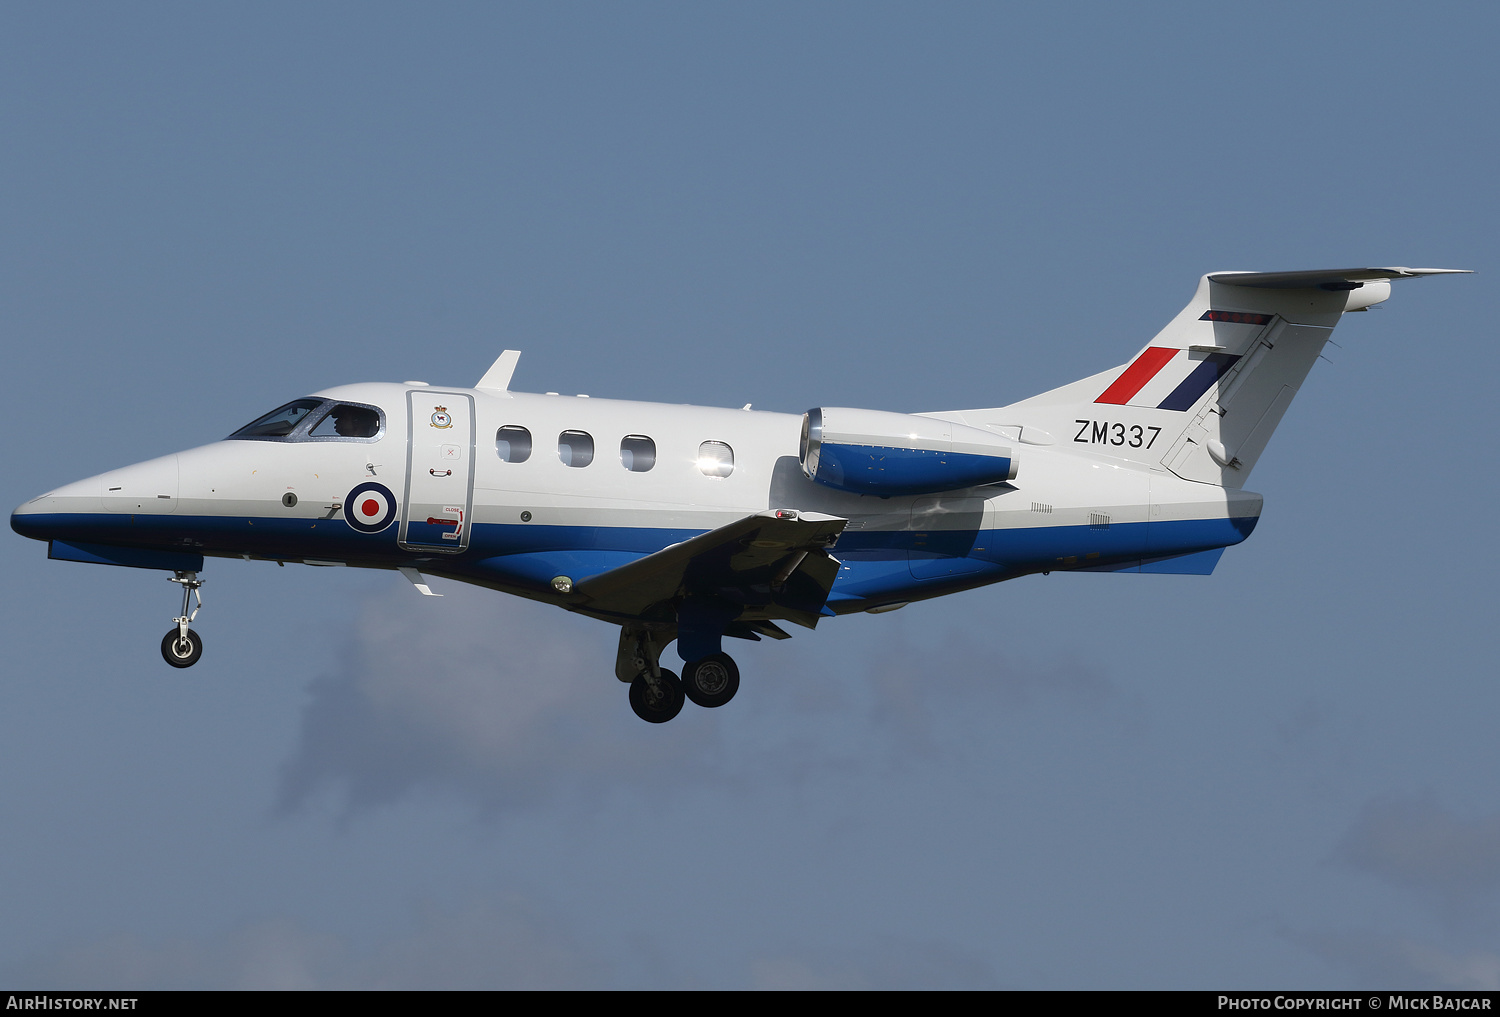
(562, 584)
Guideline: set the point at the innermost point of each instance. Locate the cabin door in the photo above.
(439, 471)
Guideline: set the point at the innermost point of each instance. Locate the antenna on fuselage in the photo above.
(497, 378)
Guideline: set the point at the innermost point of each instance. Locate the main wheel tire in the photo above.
(657, 709)
(711, 681)
(174, 652)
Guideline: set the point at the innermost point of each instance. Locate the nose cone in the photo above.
(148, 488)
(44, 517)
(27, 520)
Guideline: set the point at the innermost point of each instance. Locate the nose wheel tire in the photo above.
(711, 681)
(656, 707)
(180, 652)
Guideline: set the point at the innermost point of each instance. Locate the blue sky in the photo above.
(1281, 776)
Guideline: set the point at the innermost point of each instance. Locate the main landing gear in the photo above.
(711, 681)
(656, 694)
(182, 647)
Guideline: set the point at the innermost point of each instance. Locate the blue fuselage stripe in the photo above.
(875, 563)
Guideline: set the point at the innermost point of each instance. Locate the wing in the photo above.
(774, 564)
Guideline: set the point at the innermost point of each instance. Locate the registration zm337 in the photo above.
(1105, 432)
(694, 523)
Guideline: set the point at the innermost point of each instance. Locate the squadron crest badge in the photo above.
(440, 418)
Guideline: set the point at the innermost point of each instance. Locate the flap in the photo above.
(775, 560)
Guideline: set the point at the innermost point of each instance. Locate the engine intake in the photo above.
(875, 452)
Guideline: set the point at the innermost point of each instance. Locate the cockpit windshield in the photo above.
(347, 421)
(279, 422)
(302, 421)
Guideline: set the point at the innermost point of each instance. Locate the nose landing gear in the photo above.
(181, 647)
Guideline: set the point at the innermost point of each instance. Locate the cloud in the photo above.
(889, 965)
(512, 703)
(1415, 843)
(482, 947)
(1394, 962)
(1452, 864)
(917, 691)
(498, 697)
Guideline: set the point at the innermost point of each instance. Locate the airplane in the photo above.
(694, 524)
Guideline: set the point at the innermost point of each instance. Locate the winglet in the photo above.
(497, 378)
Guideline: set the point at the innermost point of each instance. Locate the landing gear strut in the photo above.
(656, 700)
(181, 647)
(655, 693)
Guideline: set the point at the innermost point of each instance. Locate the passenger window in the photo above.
(346, 421)
(637, 453)
(575, 448)
(279, 422)
(513, 444)
(715, 459)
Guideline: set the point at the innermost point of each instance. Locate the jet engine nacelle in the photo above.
(874, 452)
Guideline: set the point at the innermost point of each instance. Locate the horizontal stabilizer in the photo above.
(1326, 278)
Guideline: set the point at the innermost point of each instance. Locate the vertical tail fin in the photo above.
(1204, 396)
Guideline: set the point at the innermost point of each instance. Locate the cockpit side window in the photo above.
(346, 420)
(280, 422)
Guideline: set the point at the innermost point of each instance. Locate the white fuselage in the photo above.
(461, 510)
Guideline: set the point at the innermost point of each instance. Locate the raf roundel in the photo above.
(370, 508)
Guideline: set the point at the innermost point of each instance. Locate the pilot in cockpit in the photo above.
(352, 421)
